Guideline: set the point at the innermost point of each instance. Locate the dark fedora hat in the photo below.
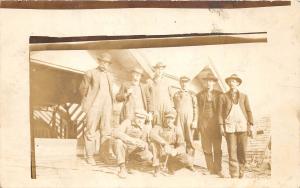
(210, 76)
(159, 65)
(184, 79)
(234, 77)
(106, 57)
(141, 114)
(137, 70)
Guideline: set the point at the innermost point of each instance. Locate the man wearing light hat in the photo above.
(211, 139)
(97, 101)
(161, 98)
(134, 96)
(235, 121)
(185, 103)
(130, 141)
(168, 146)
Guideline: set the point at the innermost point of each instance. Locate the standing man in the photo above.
(168, 146)
(131, 141)
(211, 139)
(187, 114)
(159, 90)
(97, 102)
(134, 95)
(235, 121)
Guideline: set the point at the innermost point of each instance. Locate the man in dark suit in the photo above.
(235, 121)
(134, 95)
(211, 139)
(97, 102)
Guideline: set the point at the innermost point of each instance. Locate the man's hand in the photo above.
(150, 116)
(250, 131)
(222, 131)
(168, 149)
(129, 91)
(194, 125)
(174, 152)
(140, 143)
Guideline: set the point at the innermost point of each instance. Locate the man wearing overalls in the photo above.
(160, 94)
(235, 121)
(168, 145)
(185, 103)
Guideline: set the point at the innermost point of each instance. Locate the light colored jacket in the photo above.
(90, 86)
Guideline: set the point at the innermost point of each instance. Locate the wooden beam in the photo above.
(153, 41)
(99, 4)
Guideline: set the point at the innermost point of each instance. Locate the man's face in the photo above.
(210, 84)
(183, 85)
(159, 71)
(136, 76)
(104, 64)
(169, 122)
(139, 121)
(233, 84)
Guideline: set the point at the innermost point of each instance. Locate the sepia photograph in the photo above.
(149, 94)
(167, 108)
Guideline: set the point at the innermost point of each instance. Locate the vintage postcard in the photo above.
(150, 97)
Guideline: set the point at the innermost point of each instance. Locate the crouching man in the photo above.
(168, 146)
(130, 141)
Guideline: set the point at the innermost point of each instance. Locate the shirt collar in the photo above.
(207, 91)
(135, 83)
(236, 92)
(136, 125)
(184, 90)
(157, 78)
(101, 68)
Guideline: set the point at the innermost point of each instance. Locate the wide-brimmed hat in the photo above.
(170, 114)
(141, 114)
(137, 70)
(159, 65)
(234, 77)
(184, 79)
(210, 76)
(106, 57)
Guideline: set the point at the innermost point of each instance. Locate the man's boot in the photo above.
(220, 174)
(218, 165)
(90, 160)
(123, 172)
(171, 171)
(209, 162)
(191, 168)
(156, 171)
(241, 171)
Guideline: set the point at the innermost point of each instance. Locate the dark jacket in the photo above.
(201, 98)
(225, 104)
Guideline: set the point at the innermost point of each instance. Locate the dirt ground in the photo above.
(76, 166)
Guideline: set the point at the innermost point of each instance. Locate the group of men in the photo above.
(159, 127)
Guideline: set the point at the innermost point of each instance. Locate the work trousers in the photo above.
(172, 162)
(237, 147)
(211, 141)
(98, 119)
(125, 152)
(185, 119)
